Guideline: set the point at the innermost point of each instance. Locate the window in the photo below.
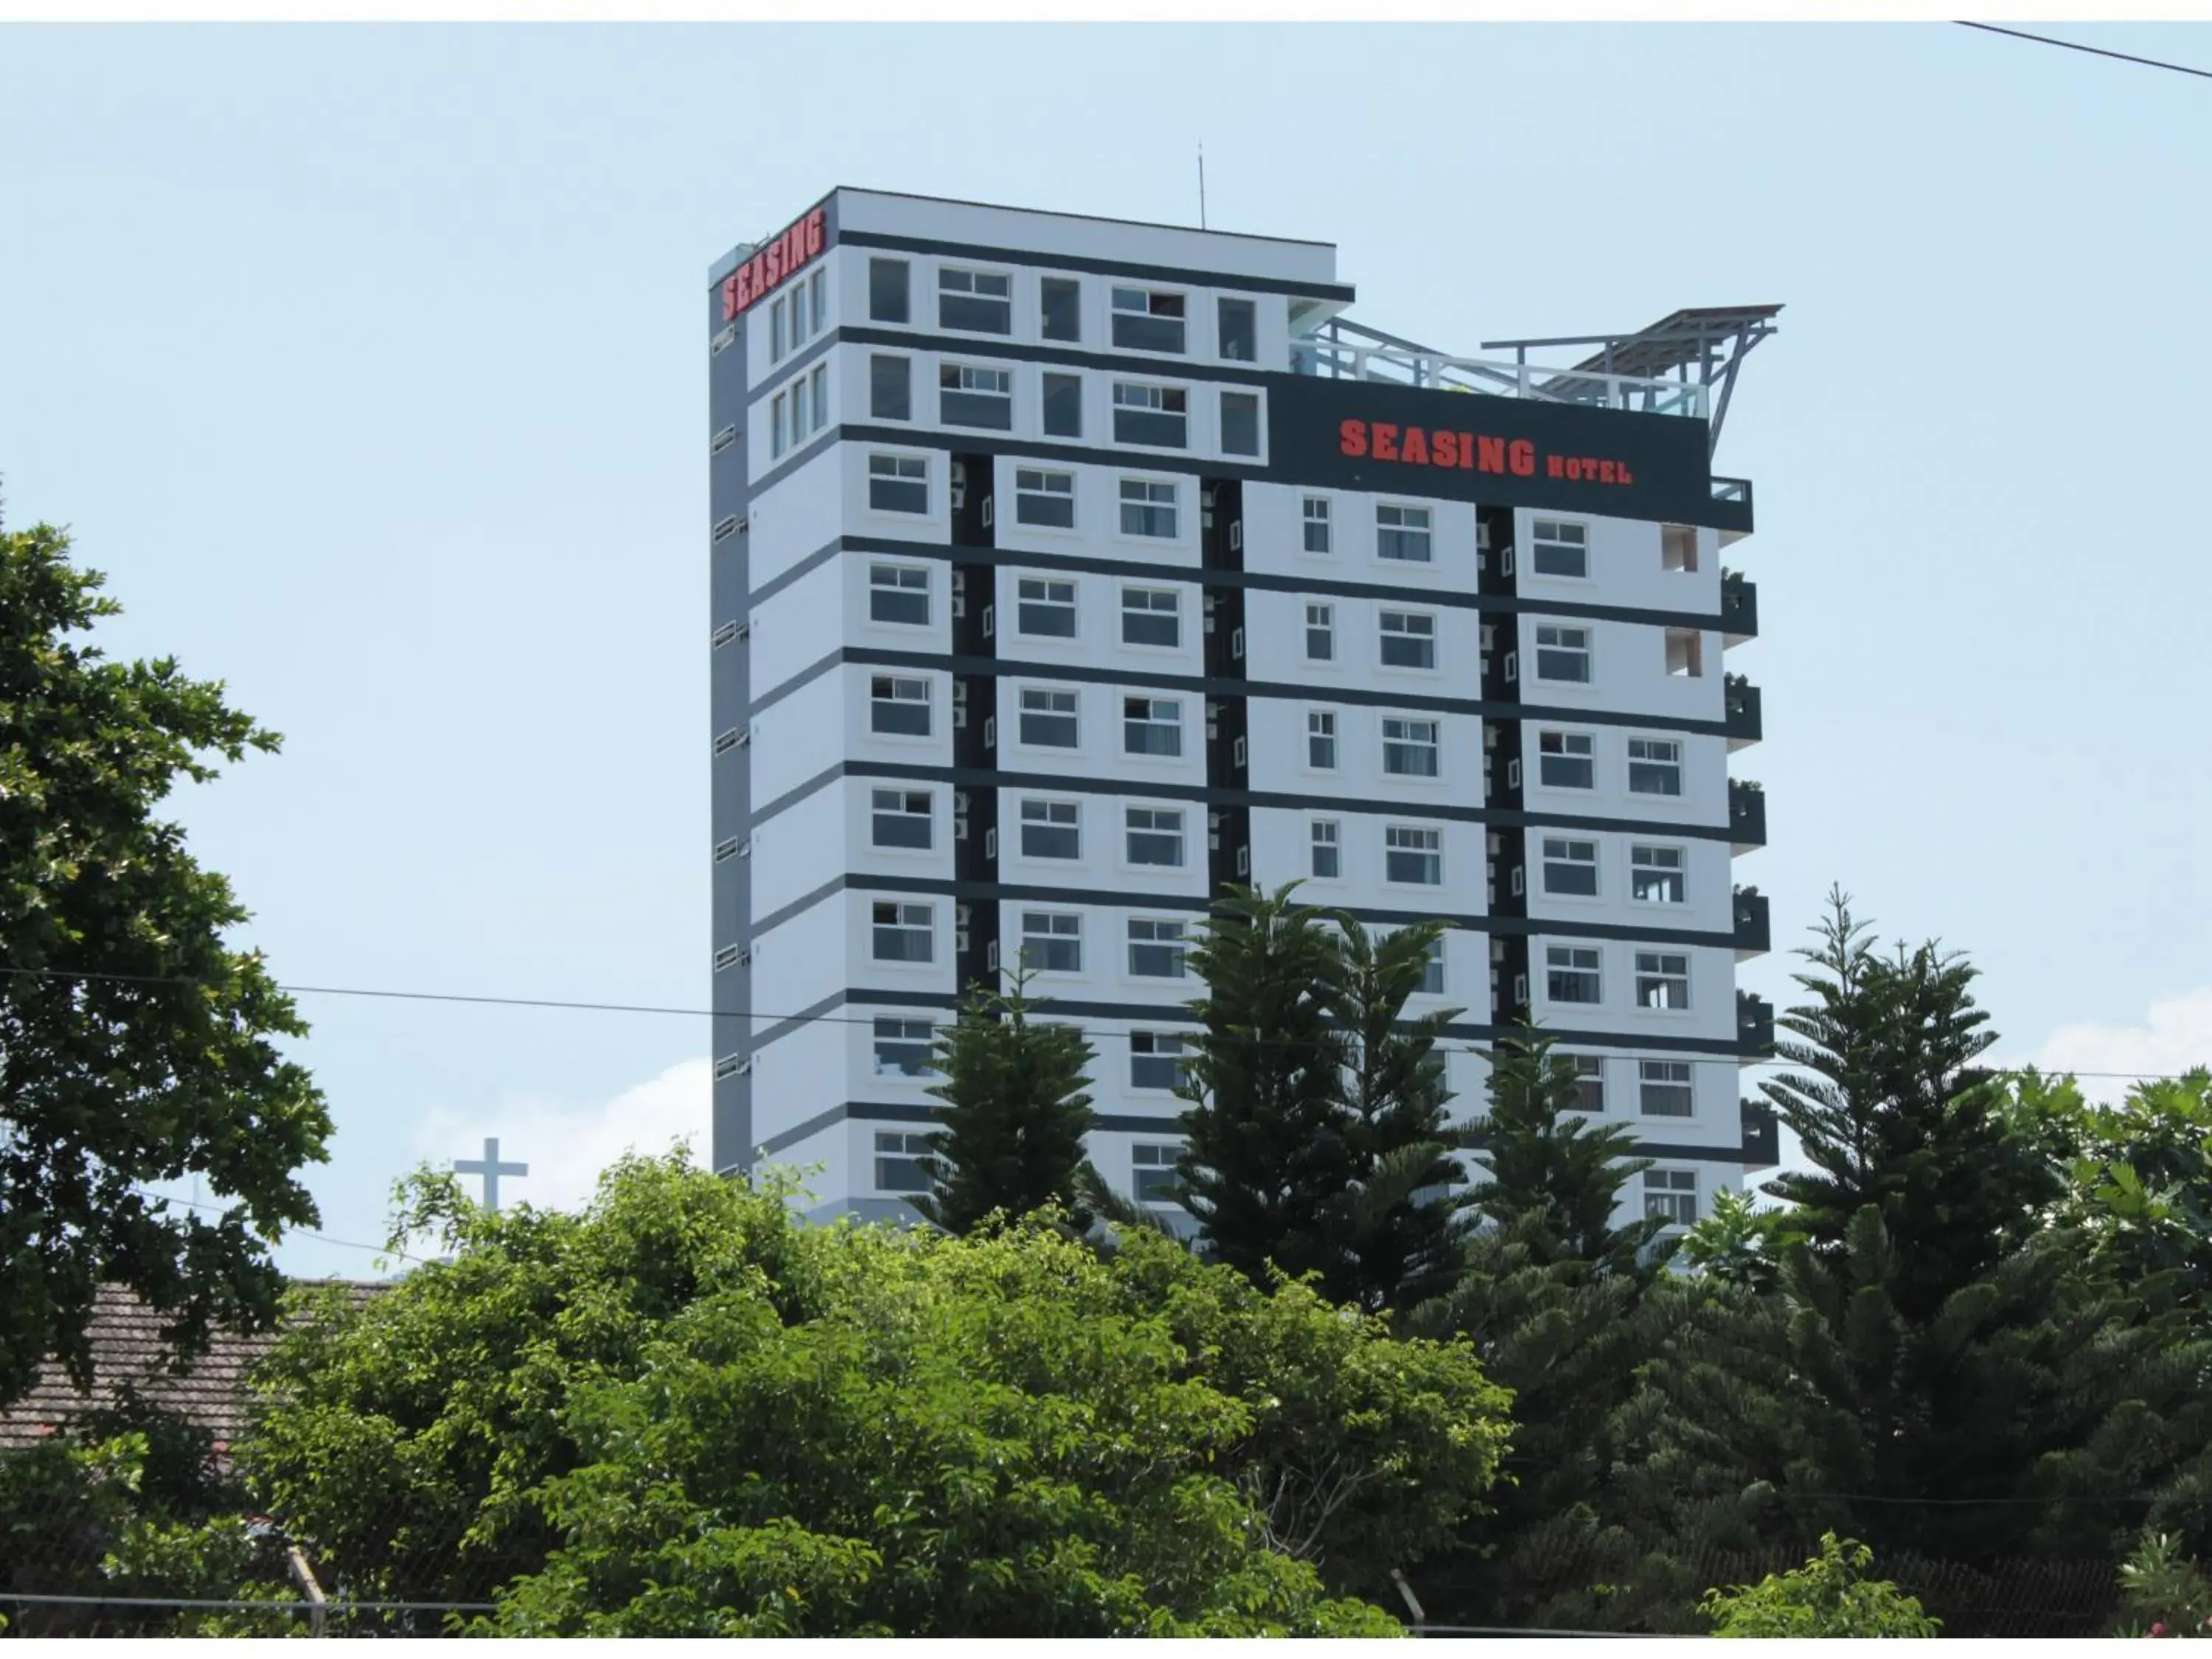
(903, 933)
(1044, 609)
(1156, 948)
(1320, 739)
(1678, 547)
(820, 381)
(1663, 1088)
(1155, 835)
(1051, 829)
(887, 291)
(967, 396)
(779, 330)
(1563, 653)
(899, 593)
(1403, 532)
(1151, 726)
(1589, 1083)
(1662, 980)
(1570, 868)
(891, 388)
(1672, 1195)
(1148, 508)
(1240, 423)
(1153, 1173)
(1654, 874)
(1413, 856)
(975, 301)
(1409, 639)
(817, 289)
(898, 483)
(1155, 1059)
(1571, 972)
(902, 1047)
(1328, 849)
(778, 435)
(1147, 321)
(1061, 300)
(1044, 498)
(1655, 766)
(1048, 718)
(1316, 515)
(1155, 414)
(1409, 748)
(903, 1161)
(1063, 406)
(799, 423)
(1052, 941)
(1321, 633)
(898, 706)
(901, 817)
(1432, 971)
(1151, 616)
(1685, 653)
(1557, 548)
(1240, 330)
(1564, 760)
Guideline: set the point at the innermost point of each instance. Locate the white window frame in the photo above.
(1325, 832)
(1587, 651)
(1640, 867)
(1179, 944)
(1576, 959)
(1037, 484)
(1407, 627)
(1407, 739)
(1116, 310)
(1180, 818)
(1320, 623)
(928, 700)
(1322, 726)
(1054, 815)
(904, 1037)
(1398, 839)
(1670, 1075)
(902, 812)
(878, 568)
(1172, 508)
(1408, 531)
(1022, 711)
(1150, 722)
(901, 1146)
(1651, 759)
(1148, 1045)
(1675, 1195)
(1665, 974)
(1153, 1155)
(1325, 520)
(1588, 738)
(909, 917)
(999, 273)
(899, 476)
(1173, 611)
(1590, 1069)
(1073, 606)
(1565, 858)
(1153, 397)
(1551, 534)
(961, 371)
(1054, 932)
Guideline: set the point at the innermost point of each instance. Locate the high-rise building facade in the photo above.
(1065, 570)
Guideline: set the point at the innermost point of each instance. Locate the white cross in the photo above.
(490, 1169)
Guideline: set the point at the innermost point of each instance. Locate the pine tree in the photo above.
(1408, 1207)
(1268, 1164)
(1548, 1160)
(1015, 1114)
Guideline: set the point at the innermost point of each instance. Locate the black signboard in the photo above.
(1516, 452)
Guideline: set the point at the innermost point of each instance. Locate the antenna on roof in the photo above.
(1201, 184)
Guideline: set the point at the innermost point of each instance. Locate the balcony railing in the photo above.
(1741, 711)
(1747, 815)
(1754, 927)
(1739, 607)
(1754, 1025)
(1762, 1136)
(1341, 350)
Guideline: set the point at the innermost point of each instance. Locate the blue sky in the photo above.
(368, 361)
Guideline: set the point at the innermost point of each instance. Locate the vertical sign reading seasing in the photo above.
(776, 263)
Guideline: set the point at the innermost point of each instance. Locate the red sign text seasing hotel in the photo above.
(1417, 446)
(773, 265)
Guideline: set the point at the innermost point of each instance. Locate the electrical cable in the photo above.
(2094, 51)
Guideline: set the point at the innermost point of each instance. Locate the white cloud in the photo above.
(2175, 1034)
(566, 1145)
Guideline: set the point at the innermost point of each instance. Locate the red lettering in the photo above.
(1467, 449)
(1607, 472)
(1386, 441)
(1416, 452)
(1493, 456)
(1554, 467)
(1446, 449)
(745, 284)
(729, 298)
(1575, 469)
(1626, 476)
(814, 233)
(1352, 439)
(773, 267)
(1521, 455)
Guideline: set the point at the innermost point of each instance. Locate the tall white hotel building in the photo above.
(1066, 569)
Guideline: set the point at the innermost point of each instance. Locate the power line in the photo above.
(1563, 1036)
(320, 1239)
(2094, 51)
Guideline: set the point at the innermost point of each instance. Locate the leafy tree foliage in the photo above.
(1015, 1114)
(136, 1046)
(1829, 1595)
(685, 1413)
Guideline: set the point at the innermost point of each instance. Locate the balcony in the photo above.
(1732, 508)
(1341, 349)
(1754, 1026)
(1746, 816)
(1739, 608)
(1741, 712)
(1762, 1136)
(1754, 929)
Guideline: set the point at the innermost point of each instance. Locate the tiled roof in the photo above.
(127, 1350)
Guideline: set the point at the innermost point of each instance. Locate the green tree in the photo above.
(1890, 1108)
(136, 1046)
(1269, 1161)
(1406, 1213)
(683, 1411)
(2163, 1592)
(1015, 1114)
(1545, 1160)
(1830, 1595)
